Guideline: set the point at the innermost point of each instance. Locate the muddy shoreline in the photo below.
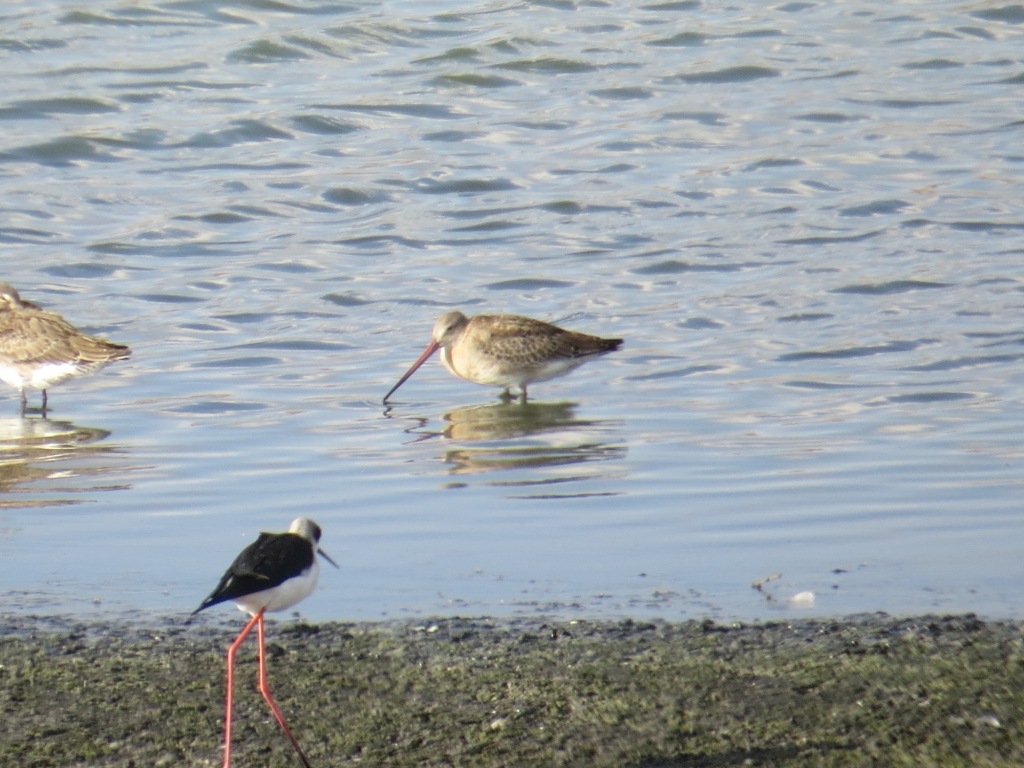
(867, 690)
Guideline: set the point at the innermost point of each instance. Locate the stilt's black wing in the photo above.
(266, 563)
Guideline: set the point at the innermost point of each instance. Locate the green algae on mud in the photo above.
(940, 691)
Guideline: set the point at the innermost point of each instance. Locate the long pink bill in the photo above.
(432, 347)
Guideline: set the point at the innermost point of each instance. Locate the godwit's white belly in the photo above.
(41, 376)
(493, 371)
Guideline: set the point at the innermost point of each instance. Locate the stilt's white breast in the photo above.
(283, 596)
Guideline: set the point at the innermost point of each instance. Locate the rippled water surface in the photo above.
(805, 219)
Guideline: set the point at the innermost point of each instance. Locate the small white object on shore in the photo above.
(802, 600)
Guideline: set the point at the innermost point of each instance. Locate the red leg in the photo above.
(257, 619)
(265, 690)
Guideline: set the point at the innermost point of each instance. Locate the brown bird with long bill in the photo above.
(508, 351)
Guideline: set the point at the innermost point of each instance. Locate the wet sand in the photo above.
(870, 690)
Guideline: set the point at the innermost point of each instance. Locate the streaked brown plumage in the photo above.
(507, 350)
(39, 349)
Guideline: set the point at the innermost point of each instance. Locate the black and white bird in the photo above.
(39, 349)
(275, 572)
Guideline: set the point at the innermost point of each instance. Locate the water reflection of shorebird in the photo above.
(39, 349)
(503, 421)
(273, 573)
(507, 350)
(33, 450)
(531, 436)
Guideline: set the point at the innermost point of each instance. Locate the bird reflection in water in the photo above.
(521, 436)
(36, 450)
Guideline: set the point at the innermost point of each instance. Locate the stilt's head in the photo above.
(310, 531)
(446, 330)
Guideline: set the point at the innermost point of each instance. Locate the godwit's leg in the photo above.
(258, 618)
(522, 394)
(24, 402)
(44, 402)
(265, 690)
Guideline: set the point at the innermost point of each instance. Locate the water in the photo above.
(805, 219)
